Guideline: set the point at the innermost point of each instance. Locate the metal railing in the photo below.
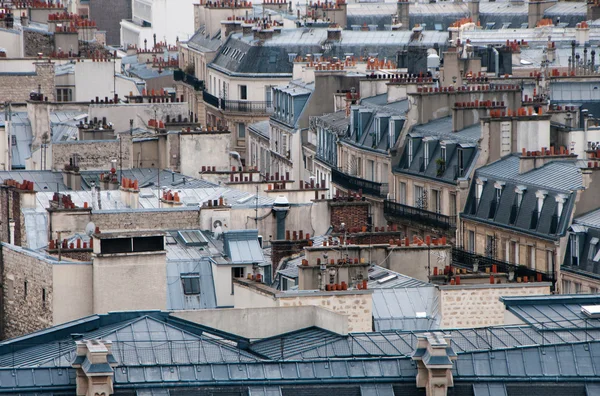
(439, 220)
(466, 259)
(210, 99)
(356, 183)
(247, 106)
(180, 75)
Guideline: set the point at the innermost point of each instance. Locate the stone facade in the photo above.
(479, 305)
(17, 87)
(358, 307)
(146, 219)
(27, 292)
(93, 155)
(10, 207)
(354, 214)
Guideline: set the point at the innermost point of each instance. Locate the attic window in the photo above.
(541, 196)
(292, 56)
(593, 252)
(273, 59)
(191, 283)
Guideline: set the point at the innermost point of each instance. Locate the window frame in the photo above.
(190, 280)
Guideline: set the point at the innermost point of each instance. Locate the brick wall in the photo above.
(480, 305)
(92, 154)
(146, 219)
(367, 238)
(25, 311)
(73, 254)
(16, 87)
(354, 214)
(283, 248)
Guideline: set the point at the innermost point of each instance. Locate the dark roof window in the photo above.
(191, 283)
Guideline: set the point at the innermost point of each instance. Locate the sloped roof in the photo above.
(241, 246)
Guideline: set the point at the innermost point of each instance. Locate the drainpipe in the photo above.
(496, 61)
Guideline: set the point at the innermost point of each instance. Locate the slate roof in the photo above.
(244, 54)
(590, 219)
(201, 41)
(586, 230)
(556, 177)
(43, 180)
(435, 133)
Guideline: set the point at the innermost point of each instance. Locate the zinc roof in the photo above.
(590, 219)
(557, 175)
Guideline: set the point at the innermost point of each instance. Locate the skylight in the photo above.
(193, 238)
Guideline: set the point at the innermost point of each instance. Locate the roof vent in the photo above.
(591, 311)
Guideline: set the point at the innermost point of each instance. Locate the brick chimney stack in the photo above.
(95, 368)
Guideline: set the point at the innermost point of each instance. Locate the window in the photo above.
(577, 287)
(489, 246)
(478, 192)
(269, 96)
(64, 95)
(13, 140)
(25, 289)
(419, 197)
(593, 290)
(550, 261)
(443, 153)
(566, 286)
(191, 283)
(241, 131)
(574, 249)
(452, 204)
(243, 92)
(425, 154)
(498, 194)
(531, 257)
(410, 151)
(541, 196)
(371, 170)
(519, 198)
(402, 193)
(514, 252)
(43, 295)
(471, 241)
(237, 272)
(593, 248)
(436, 201)
(461, 162)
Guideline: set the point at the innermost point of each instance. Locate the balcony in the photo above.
(465, 259)
(180, 75)
(421, 216)
(247, 106)
(353, 183)
(210, 99)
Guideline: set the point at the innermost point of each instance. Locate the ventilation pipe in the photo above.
(281, 207)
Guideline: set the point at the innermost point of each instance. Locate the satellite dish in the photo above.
(90, 228)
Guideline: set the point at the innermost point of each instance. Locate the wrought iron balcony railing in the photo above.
(356, 183)
(423, 216)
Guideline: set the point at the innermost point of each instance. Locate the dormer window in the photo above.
(541, 196)
(425, 153)
(443, 152)
(560, 203)
(410, 151)
(519, 191)
(479, 191)
(499, 187)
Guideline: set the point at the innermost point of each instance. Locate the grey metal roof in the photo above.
(575, 91)
(147, 177)
(241, 246)
(147, 72)
(442, 128)
(590, 219)
(383, 278)
(43, 180)
(562, 176)
(201, 41)
(261, 128)
(21, 129)
(337, 121)
(407, 308)
(176, 299)
(554, 312)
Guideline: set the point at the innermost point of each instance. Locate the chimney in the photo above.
(535, 11)
(228, 27)
(402, 10)
(334, 33)
(247, 29)
(263, 33)
(473, 7)
(94, 364)
(530, 160)
(434, 357)
(582, 34)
